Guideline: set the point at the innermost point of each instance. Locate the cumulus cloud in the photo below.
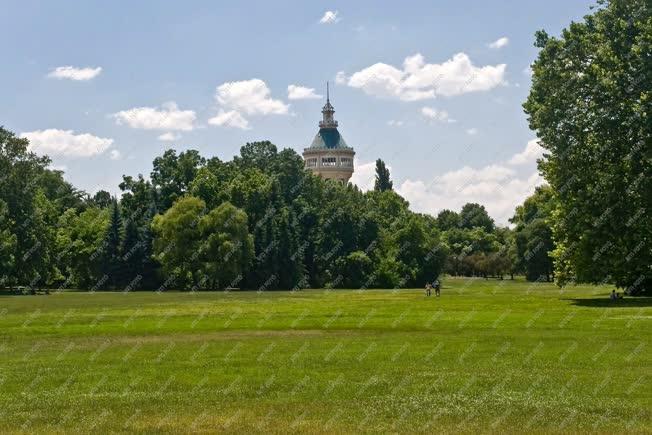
(232, 118)
(251, 97)
(433, 114)
(55, 142)
(329, 17)
(73, 73)
(418, 80)
(168, 117)
(296, 92)
(498, 186)
(499, 43)
(531, 153)
(245, 97)
(169, 137)
(115, 155)
(494, 186)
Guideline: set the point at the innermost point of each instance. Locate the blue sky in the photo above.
(434, 88)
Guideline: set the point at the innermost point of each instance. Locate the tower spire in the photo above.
(328, 121)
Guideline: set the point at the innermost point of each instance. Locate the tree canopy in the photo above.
(383, 181)
(590, 105)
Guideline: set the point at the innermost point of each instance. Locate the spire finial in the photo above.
(327, 92)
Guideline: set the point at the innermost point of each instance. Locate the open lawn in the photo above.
(490, 356)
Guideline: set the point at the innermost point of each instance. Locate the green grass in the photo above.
(487, 356)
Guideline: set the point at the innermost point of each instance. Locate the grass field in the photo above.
(487, 356)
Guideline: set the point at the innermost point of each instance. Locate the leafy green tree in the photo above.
(448, 219)
(138, 204)
(474, 215)
(590, 106)
(388, 207)
(354, 268)
(138, 197)
(20, 172)
(111, 256)
(60, 193)
(419, 250)
(80, 246)
(7, 244)
(383, 181)
(288, 168)
(172, 175)
(534, 243)
(177, 240)
(212, 182)
(101, 199)
(508, 252)
(134, 262)
(256, 155)
(533, 235)
(254, 192)
(227, 248)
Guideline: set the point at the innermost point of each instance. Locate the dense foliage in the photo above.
(533, 235)
(259, 221)
(591, 106)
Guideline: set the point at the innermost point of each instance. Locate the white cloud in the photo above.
(115, 155)
(169, 137)
(296, 92)
(528, 71)
(54, 142)
(364, 175)
(232, 118)
(394, 123)
(433, 114)
(499, 43)
(248, 97)
(531, 153)
(169, 117)
(499, 191)
(74, 73)
(499, 187)
(340, 78)
(472, 131)
(418, 80)
(329, 17)
(251, 97)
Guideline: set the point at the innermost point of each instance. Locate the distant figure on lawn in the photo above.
(613, 295)
(428, 289)
(437, 288)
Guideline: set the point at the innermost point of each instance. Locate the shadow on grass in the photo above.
(605, 302)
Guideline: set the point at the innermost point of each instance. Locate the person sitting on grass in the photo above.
(428, 289)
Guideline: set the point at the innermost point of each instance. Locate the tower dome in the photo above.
(328, 155)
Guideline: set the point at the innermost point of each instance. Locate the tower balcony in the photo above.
(327, 124)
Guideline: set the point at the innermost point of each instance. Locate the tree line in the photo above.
(259, 221)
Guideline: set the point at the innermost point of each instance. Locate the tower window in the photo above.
(346, 162)
(329, 161)
(311, 163)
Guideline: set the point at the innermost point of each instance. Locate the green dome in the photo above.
(329, 138)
